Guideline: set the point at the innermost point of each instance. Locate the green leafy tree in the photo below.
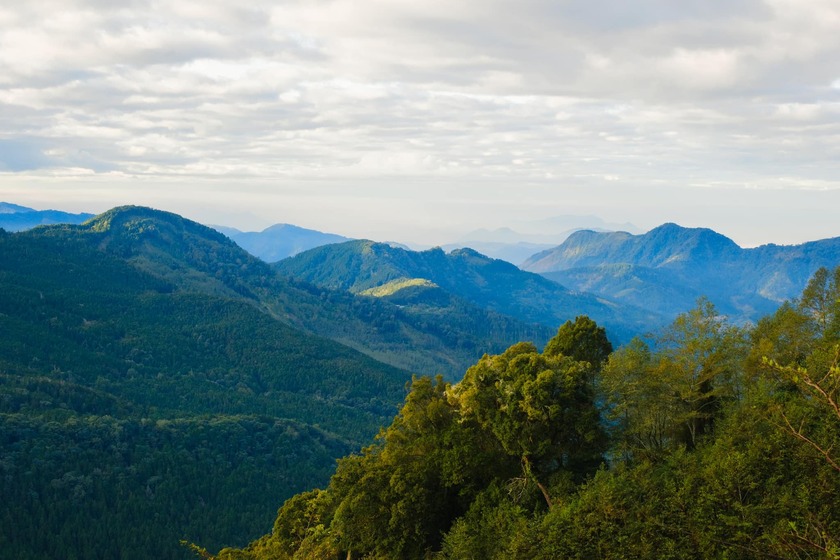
(401, 495)
(821, 302)
(673, 394)
(582, 340)
(540, 409)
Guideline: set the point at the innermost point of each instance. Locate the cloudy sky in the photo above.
(419, 121)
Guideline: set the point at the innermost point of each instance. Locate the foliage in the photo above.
(139, 407)
(715, 453)
(672, 396)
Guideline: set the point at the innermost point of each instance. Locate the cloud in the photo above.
(545, 97)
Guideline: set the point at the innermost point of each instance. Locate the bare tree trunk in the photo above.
(526, 466)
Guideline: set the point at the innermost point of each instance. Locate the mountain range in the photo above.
(158, 382)
(668, 268)
(14, 217)
(280, 240)
(516, 247)
(361, 266)
(663, 271)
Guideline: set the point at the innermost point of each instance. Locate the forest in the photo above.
(158, 385)
(704, 440)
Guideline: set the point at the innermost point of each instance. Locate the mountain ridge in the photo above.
(491, 283)
(14, 217)
(280, 241)
(671, 266)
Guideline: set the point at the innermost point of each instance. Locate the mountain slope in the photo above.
(201, 259)
(669, 267)
(137, 409)
(489, 283)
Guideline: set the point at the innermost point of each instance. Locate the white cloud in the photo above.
(544, 99)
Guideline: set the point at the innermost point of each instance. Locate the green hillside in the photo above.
(360, 266)
(419, 338)
(143, 401)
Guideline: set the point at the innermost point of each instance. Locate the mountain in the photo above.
(669, 267)
(418, 338)
(492, 284)
(147, 395)
(280, 240)
(516, 247)
(19, 218)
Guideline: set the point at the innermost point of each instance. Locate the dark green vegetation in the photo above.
(706, 441)
(668, 268)
(138, 408)
(466, 276)
(19, 218)
(158, 383)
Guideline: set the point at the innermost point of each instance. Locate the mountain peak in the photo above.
(668, 245)
(698, 242)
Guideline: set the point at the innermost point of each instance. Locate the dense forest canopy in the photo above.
(705, 440)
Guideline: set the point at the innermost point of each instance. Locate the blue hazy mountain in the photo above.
(19, 218)
(516, 247)
(669, 267)
(280, 240)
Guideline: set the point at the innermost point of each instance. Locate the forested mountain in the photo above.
(669, 267)
(157, 382)
(14, 217)
(280, 240)
(707, 440)
(420, 338)
(362, 265)
(138, 409)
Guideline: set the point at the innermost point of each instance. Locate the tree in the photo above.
(582, 340)
(638, 403)
(821, 302)
(540, 408)
(401, 495)
(672, 395)
(703, 356)
(800, 348)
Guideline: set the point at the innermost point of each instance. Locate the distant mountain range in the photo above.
(19, 218)
(516, 247)
(363, 266)
(662, 271)
(668, 268)
(280, 240)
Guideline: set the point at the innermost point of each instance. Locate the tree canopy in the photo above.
(706, 440)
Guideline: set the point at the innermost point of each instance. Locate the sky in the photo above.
(421, 121)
